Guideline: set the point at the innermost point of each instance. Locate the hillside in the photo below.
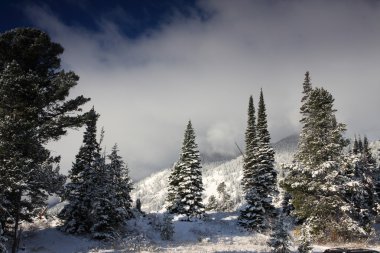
(152, 190)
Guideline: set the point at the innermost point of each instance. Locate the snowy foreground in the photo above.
(219, 233)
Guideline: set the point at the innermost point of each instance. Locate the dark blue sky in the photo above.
(134, 17)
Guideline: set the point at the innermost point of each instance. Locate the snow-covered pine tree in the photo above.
(172, 195)
(250, 148)
(316, 180)
(167, 227)
(106, 215)
(265, 173)
(305, 240)
(122, 184)
(34, 110)
(279, 240)
(83, 179)
(190, 186)
(261, 181)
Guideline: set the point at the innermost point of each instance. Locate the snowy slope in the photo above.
(152, 190)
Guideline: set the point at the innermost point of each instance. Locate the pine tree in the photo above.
(105, 216)
(190, 186)
(321, 137)
(266, 174)
(318, 178)
(83, 182)
(121, 183)
(167, 228)
(261, 182)
(250, 148)
(279, 241)
(34, 110)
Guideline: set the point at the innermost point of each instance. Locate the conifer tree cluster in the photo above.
(98, 193)
(34, 110)
(259, 176)
(331, 191)
(185, 182)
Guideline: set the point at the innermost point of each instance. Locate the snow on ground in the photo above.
(219, 232)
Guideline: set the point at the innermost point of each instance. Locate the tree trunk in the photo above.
(17, 220)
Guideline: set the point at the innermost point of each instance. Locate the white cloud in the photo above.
(146, 89)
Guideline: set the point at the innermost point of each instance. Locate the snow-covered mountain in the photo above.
(152, 190)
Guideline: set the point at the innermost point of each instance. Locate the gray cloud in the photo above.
(146, 89)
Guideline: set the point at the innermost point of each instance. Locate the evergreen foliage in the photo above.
(34, 110)
(98, 193)
(83, 182)
(253, 216)
(261, 184)
(279, 240)
(122, 184)
(266, 176)
(172, 196)
(188, 186)
(331, 191)
(250, 148)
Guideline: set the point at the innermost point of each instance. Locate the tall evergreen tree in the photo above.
(266, 173)
(250, 148)
(122, 184)
(190, 186)
(261, 184)
(83, 179)
(34, 110)
(322, 177)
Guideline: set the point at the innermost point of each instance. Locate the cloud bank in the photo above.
(147, 88)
